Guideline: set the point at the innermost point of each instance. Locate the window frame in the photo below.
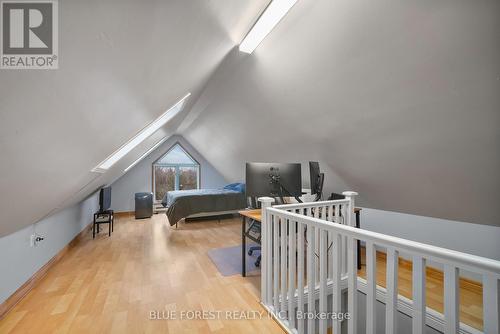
(177, 169)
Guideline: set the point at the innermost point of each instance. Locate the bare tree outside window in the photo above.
(176, 170)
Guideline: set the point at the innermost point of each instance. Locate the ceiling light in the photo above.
(141, 136)
(155, 146)
(276, 10)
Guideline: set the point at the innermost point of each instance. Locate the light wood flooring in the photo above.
(110, 285)
(471, 298)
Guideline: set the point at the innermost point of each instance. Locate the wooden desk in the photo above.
(256, 214)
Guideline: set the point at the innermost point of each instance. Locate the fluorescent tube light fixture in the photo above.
(155, 146)
(276, 10)
(141, 136)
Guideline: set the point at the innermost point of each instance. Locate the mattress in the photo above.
(183, 203)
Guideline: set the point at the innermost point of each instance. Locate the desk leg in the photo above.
(243, 248)
(359, 242)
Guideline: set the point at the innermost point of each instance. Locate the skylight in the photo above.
(155, 146)
(276, 10)
(141, 136)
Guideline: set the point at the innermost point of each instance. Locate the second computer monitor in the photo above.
(273, 179)
(314, 177)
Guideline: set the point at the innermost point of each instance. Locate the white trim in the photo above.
(140, 136)
(271, 16)
(155, 146)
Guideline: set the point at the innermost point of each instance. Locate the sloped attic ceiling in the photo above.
(398, 100)
(122, 64)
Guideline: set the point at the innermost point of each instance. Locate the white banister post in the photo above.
(266, 249)
(349, 195)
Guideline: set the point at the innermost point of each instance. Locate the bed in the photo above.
(204, 202)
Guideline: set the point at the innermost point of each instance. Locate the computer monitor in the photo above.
(314, 174)
(105, 199)
(273, 179)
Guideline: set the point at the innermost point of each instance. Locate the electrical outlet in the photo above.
(35, 239)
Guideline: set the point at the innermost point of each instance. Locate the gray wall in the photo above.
(477, 239)
(399, 99)
(19, 261)
(122, 64)
(139, 178)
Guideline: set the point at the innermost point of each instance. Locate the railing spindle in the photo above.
(352, 285)
(276, 262)
(268, 262)
(316, 243)
(451, 299)
(266, 250)
(291, 273)
(337, 289)
(491, 307)
(371, 294)
(392, 291)
(418, 283)
(342, 217)
(322, 280)
(311, 281)
(283, 290)
(300, 276)
(330, 242)
(352, 267)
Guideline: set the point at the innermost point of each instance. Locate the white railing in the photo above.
(309, 253)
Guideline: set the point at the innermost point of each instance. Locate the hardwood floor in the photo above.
(111, 285)
(471, 297)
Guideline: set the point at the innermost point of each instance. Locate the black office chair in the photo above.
(255, 204)
(250, 252)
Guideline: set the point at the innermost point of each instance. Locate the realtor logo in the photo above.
(29, 35)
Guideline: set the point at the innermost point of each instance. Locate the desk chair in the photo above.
(253, 203)
(250, 252)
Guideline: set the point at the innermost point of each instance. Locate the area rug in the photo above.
(228, 260)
